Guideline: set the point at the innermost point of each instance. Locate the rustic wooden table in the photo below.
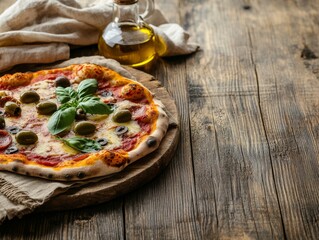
(247, 166)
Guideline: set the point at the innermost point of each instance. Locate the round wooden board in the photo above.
(136, 174)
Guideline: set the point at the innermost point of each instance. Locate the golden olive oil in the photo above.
(129, 44)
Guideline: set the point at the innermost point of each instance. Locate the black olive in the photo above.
(121, 130)
(102, 141)
(107, 94)
(151, 142)
(62, 81)
(11, 150)
(1, 113)
(13, 129)
(80, 114)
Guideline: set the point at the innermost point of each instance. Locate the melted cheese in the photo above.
(48, 144)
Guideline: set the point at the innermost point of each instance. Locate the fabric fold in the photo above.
(28, 24)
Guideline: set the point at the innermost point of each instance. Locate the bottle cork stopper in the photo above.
(125, 2)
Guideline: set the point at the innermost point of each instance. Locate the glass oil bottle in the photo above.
(128, 39)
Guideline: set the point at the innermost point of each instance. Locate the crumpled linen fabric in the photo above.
(42, 31)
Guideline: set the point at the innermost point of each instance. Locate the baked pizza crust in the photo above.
(97, 164)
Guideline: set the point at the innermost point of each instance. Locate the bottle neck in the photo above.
(125, 13)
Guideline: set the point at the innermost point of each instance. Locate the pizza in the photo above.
(77, 122)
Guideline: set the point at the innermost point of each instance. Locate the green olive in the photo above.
(3, 94)
(46, 108)
(25, 137)
(122, 116)
(2, 122)
(84, 128)
(62, 81)
(12, 108)
(29, 97)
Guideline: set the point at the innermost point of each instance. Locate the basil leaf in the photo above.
(65, 94)
(95, 107)
(87, 87)
(61, 120)
(83, 144)
(89, 97)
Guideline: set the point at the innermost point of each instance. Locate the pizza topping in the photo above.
(61, 120)
(122, 116)
(5, 99)
(5, 139)
(13, 129)
(72, 100)
(62, 81)
(12, 108)
(106, 94)
(80, 114)
(132, 91)
(3, 94)
(120, 130)
(85, 145)
(11, 150)
(151, 142)
(84, 128)
(46, 107)
(26, 137)
(2, 122)
(102, 141)
(87, 87)
(29, 97)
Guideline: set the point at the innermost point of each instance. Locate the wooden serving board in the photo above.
(136, 174)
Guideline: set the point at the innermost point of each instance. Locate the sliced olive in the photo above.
(12, 108)
(25, 137)
(46, 108)
(80, 114)
(13, 129)
(2, 122)
(107, 94)
(29, 97)
(121, 130)
(84, 128)
(1, 112)
(11, 150)
(122, 116)
(102, 141)
(62, 81)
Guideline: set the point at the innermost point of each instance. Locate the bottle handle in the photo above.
(149, 9)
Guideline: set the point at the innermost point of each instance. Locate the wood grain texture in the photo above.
(247, 166)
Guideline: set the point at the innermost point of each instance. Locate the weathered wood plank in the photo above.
(104, 221)
(288, 110)
(235, 191)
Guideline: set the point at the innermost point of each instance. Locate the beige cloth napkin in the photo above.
(39, 31)
(20, 195)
